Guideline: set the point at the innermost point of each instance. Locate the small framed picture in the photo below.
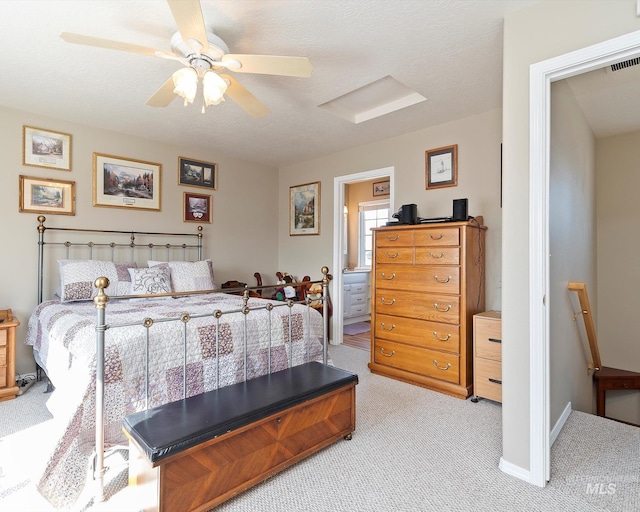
(197, 174)
(381, 188)
(197, 207)
(442, 167)
(43, 195)
(125, 183)
(45, 148)
(304, 209)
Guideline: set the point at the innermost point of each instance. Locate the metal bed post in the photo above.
(100, 302)
(325, 312)
(41, 230)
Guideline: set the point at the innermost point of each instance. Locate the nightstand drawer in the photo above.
(431, 363)
(487, 332)
(488, 379)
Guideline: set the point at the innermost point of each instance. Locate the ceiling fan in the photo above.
(203, 55)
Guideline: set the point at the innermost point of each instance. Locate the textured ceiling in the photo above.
(447, 50)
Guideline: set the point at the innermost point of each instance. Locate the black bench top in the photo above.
(171, 428)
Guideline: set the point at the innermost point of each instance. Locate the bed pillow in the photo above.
(150, 281)
(77, 278)
(189, 276)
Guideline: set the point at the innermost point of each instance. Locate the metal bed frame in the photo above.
(102, 299)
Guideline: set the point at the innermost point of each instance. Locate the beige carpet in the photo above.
(413, 450)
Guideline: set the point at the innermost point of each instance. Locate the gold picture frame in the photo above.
(46, 195)
(46, 148)
(196, 173)
(304, 209)
(126, 183)
(196, 207)
(441, 165)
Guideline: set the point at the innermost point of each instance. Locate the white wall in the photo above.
(241, 239)
(618, 264)
(534, 34)
(478, 139)
(572, 246)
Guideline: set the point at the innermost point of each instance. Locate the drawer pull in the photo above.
(388, 278)
(443, 368)
(393, 326)
(387, 303)
(438, 238)
(393, 239)
(435, 335)
(436, 257)
(496, 381)
(385, 354)
(389, 255)
(443, 281)
(495, 340)
(435, 306)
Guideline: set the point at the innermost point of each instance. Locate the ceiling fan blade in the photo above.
(163, 96)
(117, 45)
(188, 16)
(244, 98)
(269, 65)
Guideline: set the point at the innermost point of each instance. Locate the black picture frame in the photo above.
(197, 173)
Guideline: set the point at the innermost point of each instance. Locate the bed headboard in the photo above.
(111, 245)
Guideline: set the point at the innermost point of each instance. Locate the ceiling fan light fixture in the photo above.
(213, 88)
(185, 81)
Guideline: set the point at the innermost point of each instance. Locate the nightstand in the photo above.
(487, 356)
(8, 388)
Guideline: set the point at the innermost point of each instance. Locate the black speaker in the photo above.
(460, 209)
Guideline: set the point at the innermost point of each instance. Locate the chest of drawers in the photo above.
(8, 388)
(487, 358)
(427, 283)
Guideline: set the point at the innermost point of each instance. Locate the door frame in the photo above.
(339, 182)
(542, 74)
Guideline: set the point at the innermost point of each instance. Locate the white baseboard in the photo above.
(555, 431)
(513, 470)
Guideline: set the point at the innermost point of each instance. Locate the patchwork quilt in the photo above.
(216, 350)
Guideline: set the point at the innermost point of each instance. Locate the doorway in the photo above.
(340, 240)
(542, 75)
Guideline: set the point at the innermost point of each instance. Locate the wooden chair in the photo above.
(604, 377)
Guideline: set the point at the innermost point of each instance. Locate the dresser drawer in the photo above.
(437, 255)
(437, 236)
(3, 338)
(488, 379)
(357, 298)
(358, 309)
(394, 238)
(3, 356)
(438, 365)
(420, 333)
(487, 337)
(394, 255)
(356, 288)
(423, 306)
(428, 278)
(3, 376)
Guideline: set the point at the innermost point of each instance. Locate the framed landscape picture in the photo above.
(197, 174)
(196, 207)
(125, 183)
(442, 167)
(46, 148)
(43, 195)
(304, 209)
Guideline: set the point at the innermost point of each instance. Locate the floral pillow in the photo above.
(150, 281)
(77, 278)
(189, 276)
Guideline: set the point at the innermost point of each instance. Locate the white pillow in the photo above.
(189, 276)
(77, 278)
(150, 281)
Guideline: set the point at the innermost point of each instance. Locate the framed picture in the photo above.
(125, 183)
(197, 174)
(381, 188)
(196, 207)
(304, 209)
(442, 167)
(43, 195)
(44, 148)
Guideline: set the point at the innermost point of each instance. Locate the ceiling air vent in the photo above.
(626, 64)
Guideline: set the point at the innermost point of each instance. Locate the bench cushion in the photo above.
(171, 428)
